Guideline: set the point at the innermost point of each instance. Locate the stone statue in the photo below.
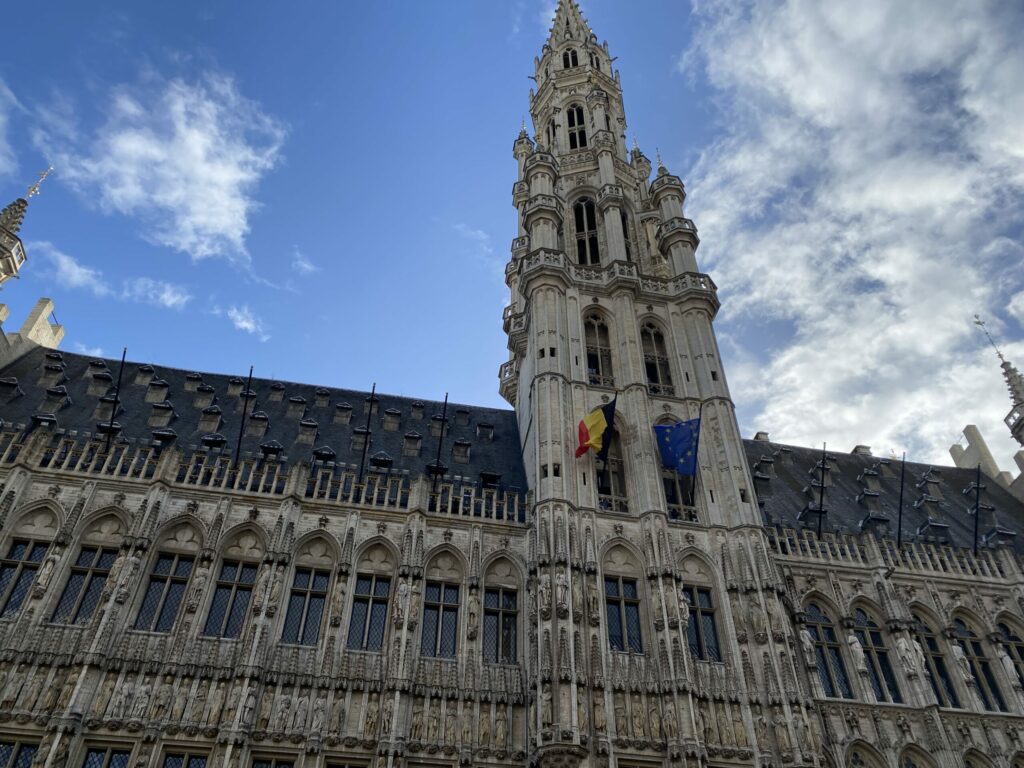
(621, 726)
(414, 604)
(338, 715)
(736, 608)
(547, 715)
(416, 729)
(756, 617)
(1008, 666)
(284, 714)
(121, 699)
(163, 699)
(338, 599)
(857, 652)
(638, 721)
(906, 654)
(266, 709)
(669, 722)
(962, 663)
(216, 705)
(319, 708)
(581, 712)
(141, 703)
(807, 645)
(449, 727)
(181, 699)
(275, 591)
(370, 721)
(654, 718)
(561, 590)
(301, 711)
(782, 732)
(761, 727)
(739, 728)
(802, 736)
(683, 603)
(402, 603)
(919, 655)
(595, 601)
(501, 728)
(433, 724)
(386, 714)
(127, 578)
(577, 594)
(249, 706)
(600, 719)
(485, 727)
(544, 594)
(474, 614)
(467, 728)
(66, 691)
(46, 572)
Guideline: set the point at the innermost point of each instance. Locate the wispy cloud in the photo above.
(69, 272)
(184, 158)
(301, 263)
(244, 319)
(863, 194)
(8, 106)
(87, 350)
(477, 237)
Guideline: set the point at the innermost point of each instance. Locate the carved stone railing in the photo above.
(461, 499)
(328, 482)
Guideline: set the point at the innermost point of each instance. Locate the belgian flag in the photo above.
(596, 430)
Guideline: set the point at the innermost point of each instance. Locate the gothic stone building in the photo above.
(386, 582)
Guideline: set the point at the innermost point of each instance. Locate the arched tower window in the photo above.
(935, 660)
(611, 480)
(831, 669)
(577, 127)
(626, 237)
(501, 613)
(585, 219)
(1014, 648)
(980, 667)
(876, 657)
(659, 378)
(622, 596)
(599, 352)
(701, 632)
(570, 59)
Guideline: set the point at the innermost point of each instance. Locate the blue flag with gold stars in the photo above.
(678, 445)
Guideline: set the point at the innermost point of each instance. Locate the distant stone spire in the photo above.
(13, 215)
(1014, 382)
(568, 22)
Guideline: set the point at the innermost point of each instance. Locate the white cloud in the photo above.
(87, 350)
(480, 239)
(864, 192)
(301, 263)
(69, 272)
(184, 158)
(244, 319)
(8, 105)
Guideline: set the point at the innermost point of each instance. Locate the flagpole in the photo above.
(366, 437)
(696, 449)
(899, 524)
(440, 442)
(241, 427)
(117, 400)
(977, 506)
(821, 495)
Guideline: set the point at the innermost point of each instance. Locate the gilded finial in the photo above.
(981, 324)
(34, 189)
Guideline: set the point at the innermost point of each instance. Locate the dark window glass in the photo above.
(831, 669)
(981, 668)
(701, 632)
(266, 762)
(184, 760)
(440, 620)
(500, 614)
(1014, 646)
(163, 595)
(369, 612)
(17, 571)
(306, 606)
(623, 608)
(14, 754)
(876, 657)
(230, 599)
(85, 585)
(587, 251)
(106, 758)
(938, 674)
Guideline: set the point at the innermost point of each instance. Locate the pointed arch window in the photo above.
(622, 602)
(577, 127)
(82, 593)
(831, 669)
(585, 219)
(231, 599)
(500, 617)
(876, 656)
(935, 660)
(659, 377)
(1014, 646)
(626, 237)
(611, 479)
(440, 620)
(167, 584)
(17, 572)
(701, 632)
(369, 612)
(599, 352)
(981, 667)
(570, 59)
(306, 606)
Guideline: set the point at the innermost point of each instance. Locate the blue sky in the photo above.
(325, 193)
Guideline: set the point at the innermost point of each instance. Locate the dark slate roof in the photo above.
(787, 481)
(32, 385)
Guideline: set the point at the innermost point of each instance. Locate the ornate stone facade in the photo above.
(400, 584)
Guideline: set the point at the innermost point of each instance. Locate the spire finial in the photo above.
(636, 147)
(657, 154)
(981, 324)
(34, 189)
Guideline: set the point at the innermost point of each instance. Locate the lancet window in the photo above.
(980, 667)
(17, 572)
(876, 657)
(935, 660)
(611, 479)
(831, 669)
(585, 220)
(659, 377)
(111, 757)
(701, 631)
(570, 59)
(599, 351)
(1013, 646)
(306, 606)
(622, 603)
(231, 599)
(577, 127)
(501, 612)
(440, 619)
(167, 584)
(369, 612)
(85, 585)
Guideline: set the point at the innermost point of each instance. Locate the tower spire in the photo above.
(568, 23)
(1014, 382)
(12, 252)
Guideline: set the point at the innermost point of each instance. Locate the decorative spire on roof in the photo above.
(568, 23)
(1014, 382)
(12, 217)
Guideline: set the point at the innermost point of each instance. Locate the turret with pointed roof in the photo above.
(1015, 383)
(12, 252)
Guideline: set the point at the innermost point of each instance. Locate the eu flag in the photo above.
(678, 445)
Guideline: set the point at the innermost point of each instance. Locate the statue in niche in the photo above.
(181, 699)
(370, 720)
(802, 736)
(284, 714)
(216, 704)
(319, 709)
(485, 728)
(124, 586)
(963, 664)
(414, 605)
(639, 731)
(198, 707)
(402, 603)
(721, 719)
(249, 706)
(654, 718)
(600, 718)
(450, 726)
(683, 605)
(782, 732)
(544, 596)
(501, 728)
(621, 725)
(757, 618)
(232, 708)
(66, 691)
(474, 615)
(581, 712)
(702, 723)
(669, 721)
(467, 727)
(386, 714)
(595, 602)
(433, 723)
(547, 714)
(10, 698)
(562, 591)
(761, 728)
(53, 692)
(338, 601)
(163, 698)
(120, 708)
(739, 728)
(301, 711)
(906, 654)
(260, 590)
(1008, 666)
(416, 728)
(46, 572)
(919, 655)
(577, 595)
(857, 652)
(141, 703)
(807, 645)
(266, 709)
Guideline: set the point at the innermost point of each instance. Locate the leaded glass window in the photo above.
(271, 762)
(599, 351)
(701, 631)
(570, 59)
(577, 129)
(585, 221)
(184, 760)
(611, 479)
(15, 754)
(85, 585)
(831, 669)
(876, 656)
(981, 668)
(306, 606)
(1014, 647)
(500, 616)
(369, 612)
(106, 758)
(231, 599)
(623, 608)
(935, 660)
(17, 572)
(167, 584)
(659, 377)
(440, 619)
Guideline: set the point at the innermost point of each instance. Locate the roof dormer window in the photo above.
(342, 413)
